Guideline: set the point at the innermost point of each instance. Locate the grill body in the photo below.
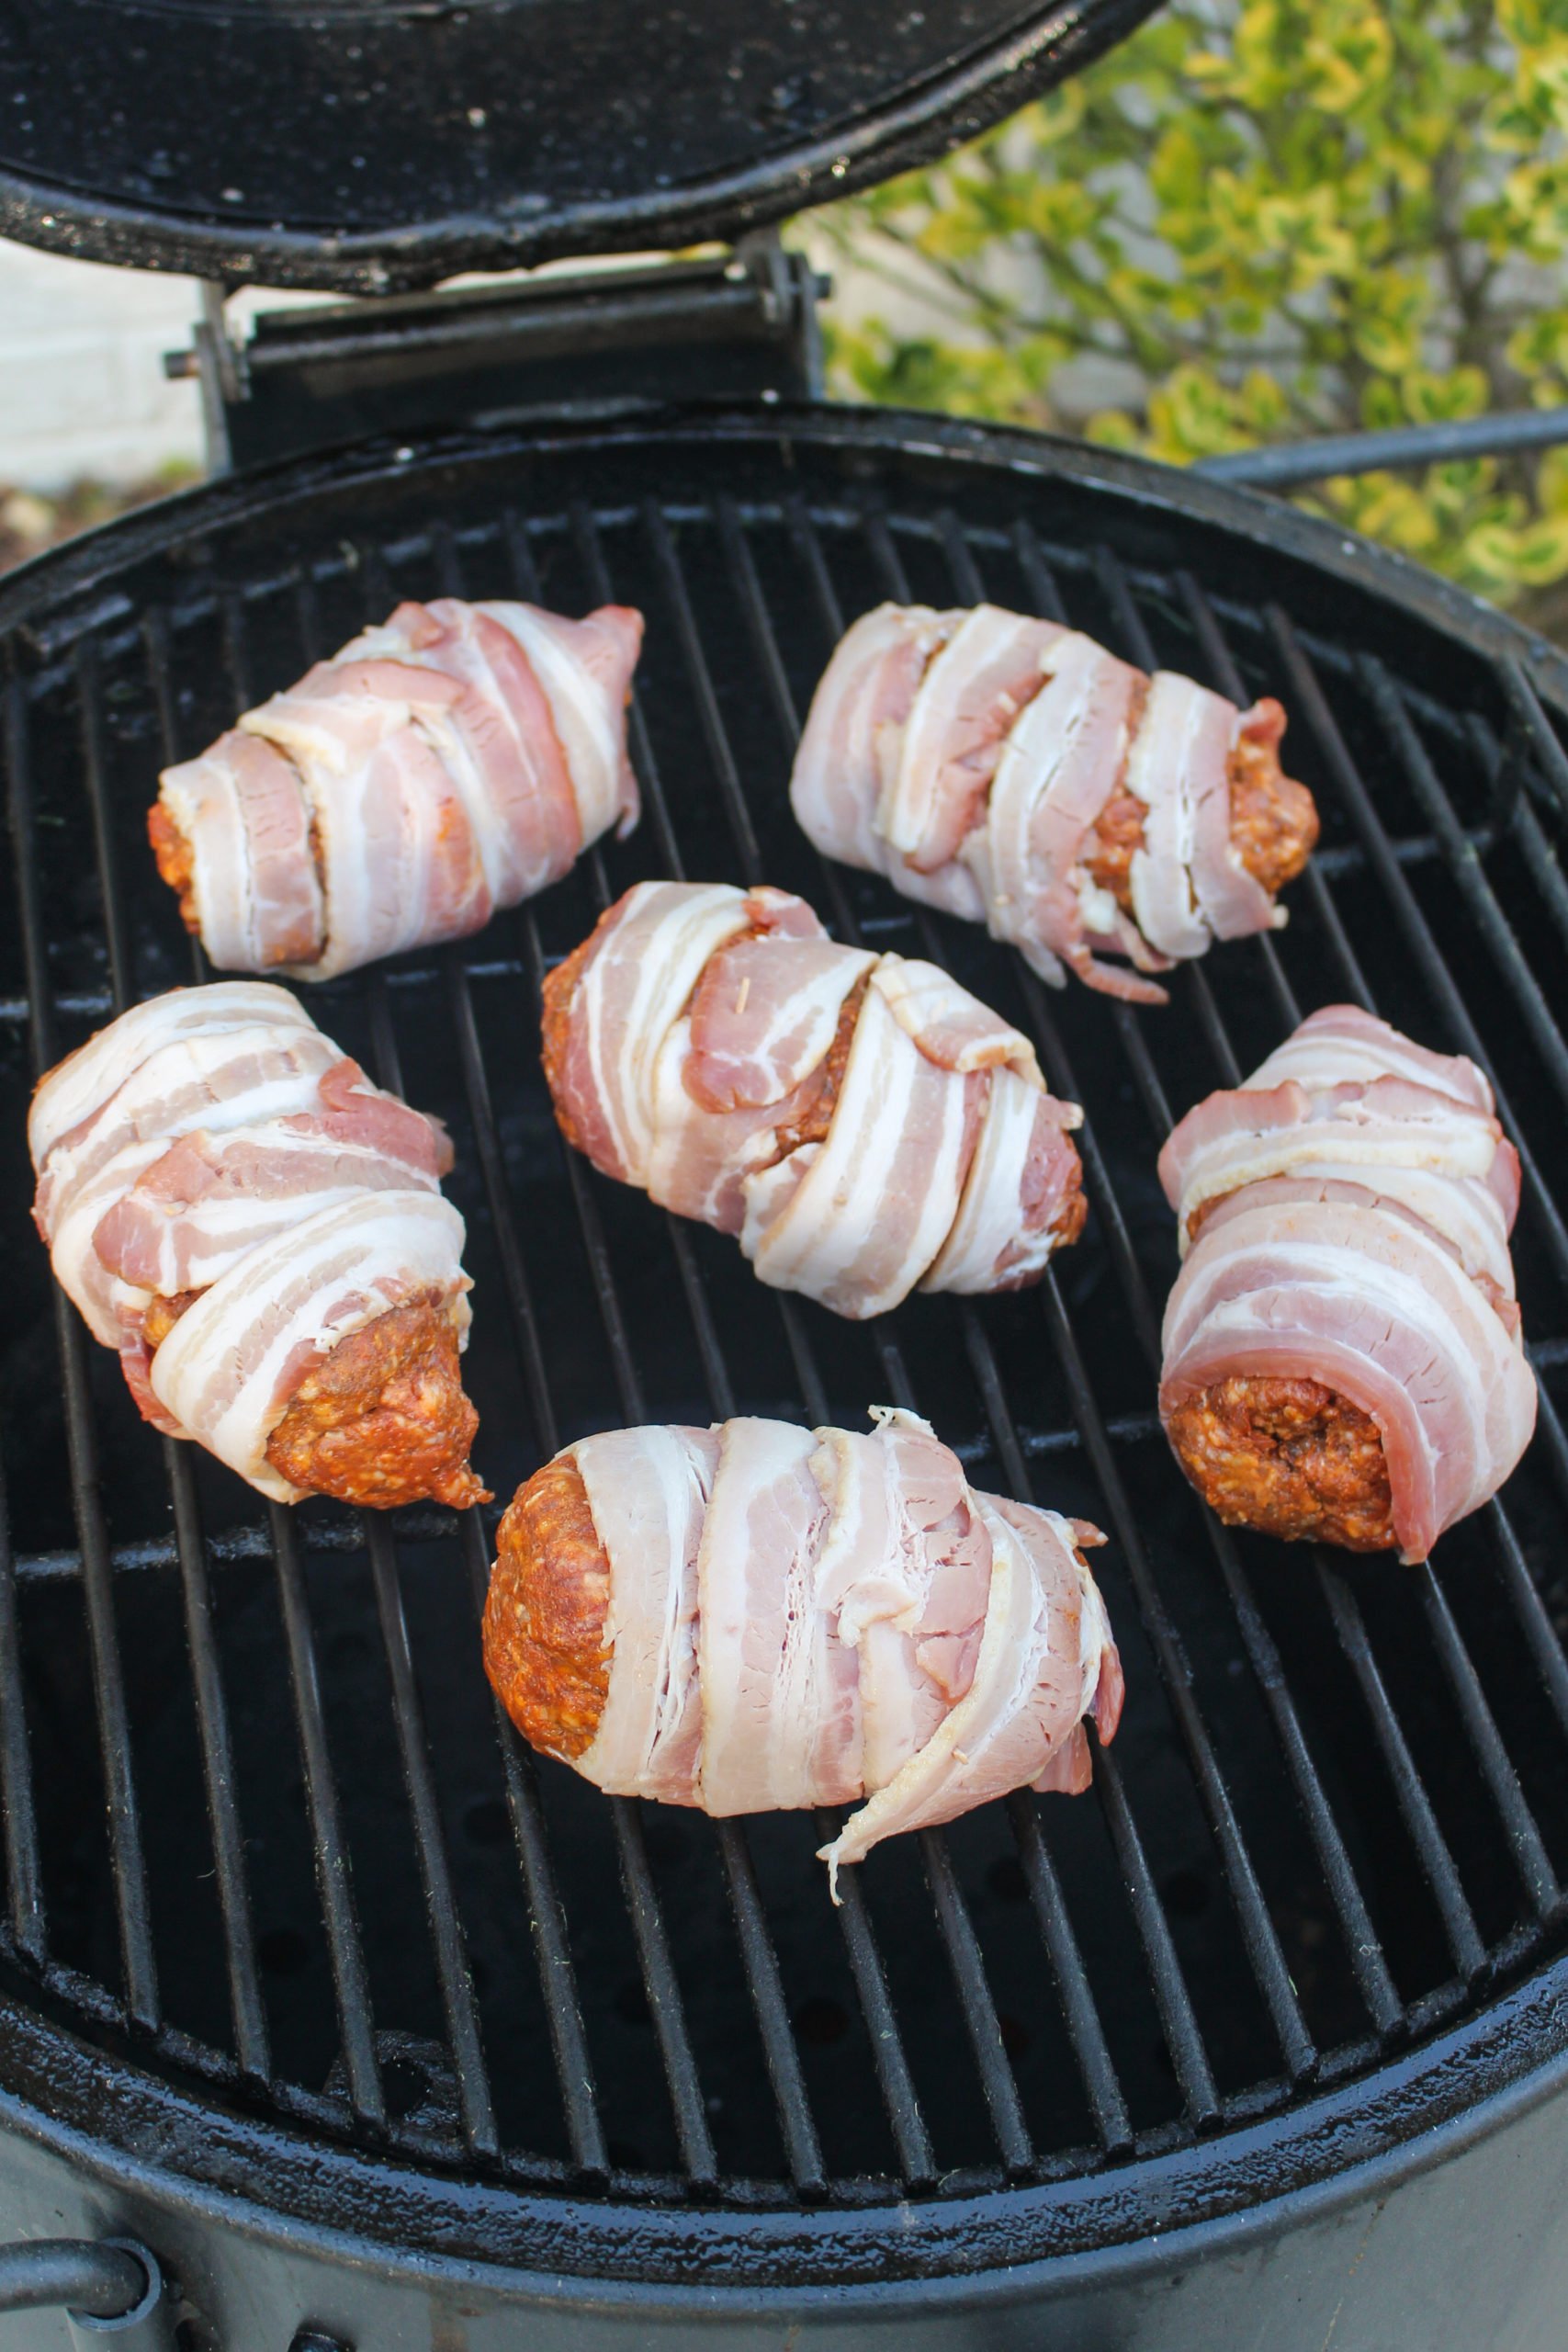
(312, 1979)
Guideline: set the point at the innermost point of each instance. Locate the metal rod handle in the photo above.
(106, 2286)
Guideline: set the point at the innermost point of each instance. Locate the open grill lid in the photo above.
(373, 145)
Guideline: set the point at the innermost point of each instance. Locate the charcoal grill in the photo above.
(378, 2030)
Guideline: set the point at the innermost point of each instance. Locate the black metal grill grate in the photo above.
(265, 1829)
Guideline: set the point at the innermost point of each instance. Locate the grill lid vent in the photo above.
(372, 145)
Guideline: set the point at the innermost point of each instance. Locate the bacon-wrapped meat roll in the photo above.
(862, 1122)
(1342, 1349)
(447, 765)
(260, 1233)
(757, 1617)
(1012, 772)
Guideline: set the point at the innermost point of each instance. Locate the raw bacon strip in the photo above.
(1352, 1205)
(231, 1203)
(797, 1618)
(455, 760)
(973, 757)
(862, 1122)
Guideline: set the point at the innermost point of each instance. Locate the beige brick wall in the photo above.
(82, 383)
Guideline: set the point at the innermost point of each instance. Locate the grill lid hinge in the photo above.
(741, 322)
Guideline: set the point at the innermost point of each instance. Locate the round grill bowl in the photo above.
(432, 2026)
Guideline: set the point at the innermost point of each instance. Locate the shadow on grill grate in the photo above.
(328, 1881)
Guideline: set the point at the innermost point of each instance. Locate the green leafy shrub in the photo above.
(1268, 218)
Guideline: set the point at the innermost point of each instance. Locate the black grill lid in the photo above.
(367, 145)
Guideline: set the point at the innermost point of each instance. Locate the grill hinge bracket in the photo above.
(739, 323)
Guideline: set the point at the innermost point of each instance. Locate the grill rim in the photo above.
(1153, 2214)
(1509, 2078)
(1270, 524)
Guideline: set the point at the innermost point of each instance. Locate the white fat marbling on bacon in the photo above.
(258, 896)
(193, 1145)
(771, 1694)
(880, 1197)
(1365, 1193)
(229, 1366)
(799, 1618)
(1378, 1130)
(230, 1078)
(80, 1085)
(1018, 1178)
(1057, 770)
(1033, 1684)
(949, 1025)
(1165, 771)
(195, 1212)
(646, 961)
(648, 1492)
(763, 1016)
(451, 761)
(1341, 1042)
(585, 668)
(692, 1057)
(933, 755)
(968, 699)
(858, 715)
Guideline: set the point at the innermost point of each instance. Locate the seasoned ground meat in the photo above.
(163, 1314)
(382, 1420)
(544, 1622)
(1274, 820)
(176, 861)
(1073, 1214)
(816, 1112)
(558, 992)
(1289, 1457)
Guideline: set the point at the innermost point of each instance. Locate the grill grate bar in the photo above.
(345, 1951)
(1178, 2022)
(1331, 742)
(1409, 1789)
(1524, 709)
(247, 2009)
(1501, 1779)
(24, 1878)
(1263, 1948)
(1468, 872)
(1175, 2009)
(1528, 1605)
(127, 1855)
(1361, 1941)
(980, 2019)
(1518, 1824)
(666, 2003)
(802, 2149)
(1090, 2049)
(1480, 1727)
(546, 1916)
(458, 2001)
(664, 1999)
(1258, 1934)
(660, 1981)
(911, 2139)
(245, 2003)
(952, 1920)
(525, 1331)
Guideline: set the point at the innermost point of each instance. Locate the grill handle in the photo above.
(108, 2286)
